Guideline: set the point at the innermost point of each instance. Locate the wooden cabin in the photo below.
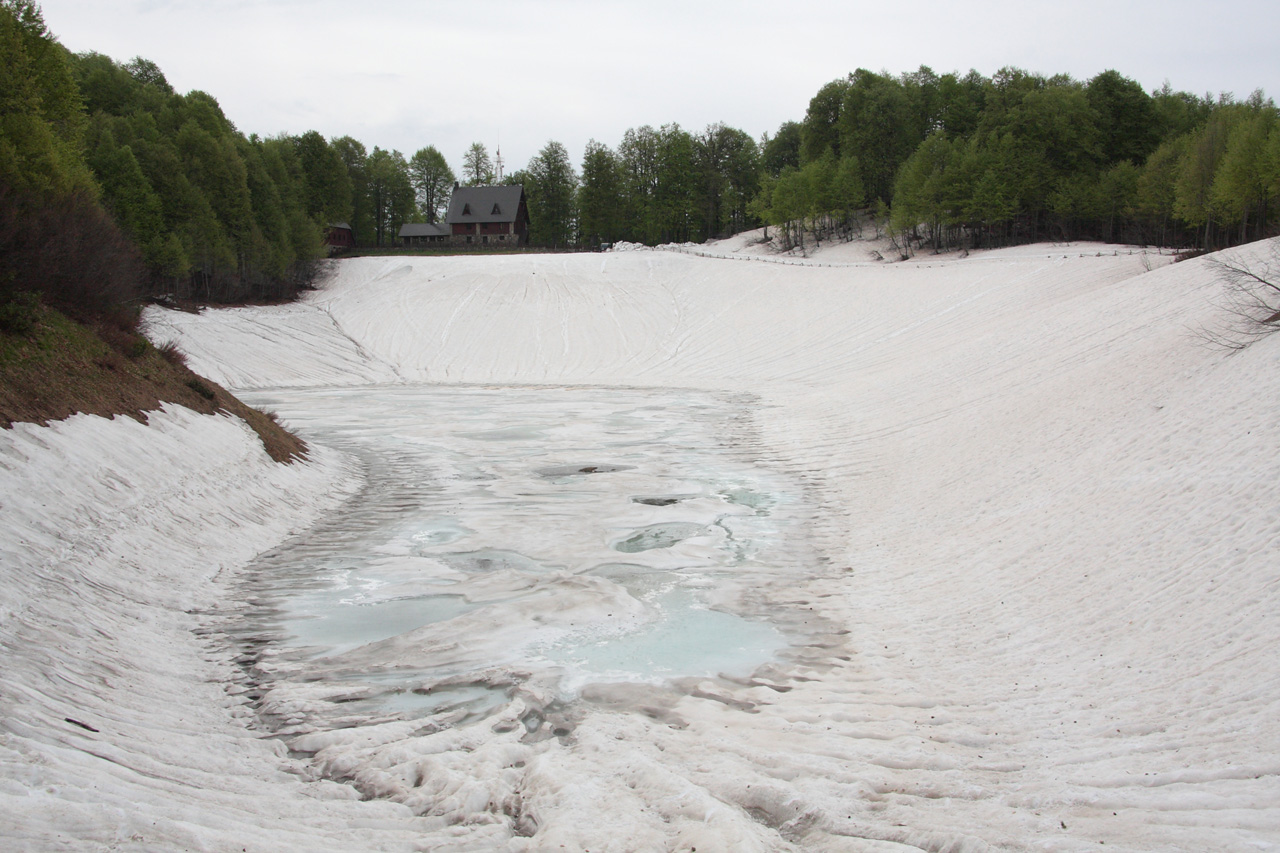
(488, 215)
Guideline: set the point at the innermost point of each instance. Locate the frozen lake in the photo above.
(529, 539)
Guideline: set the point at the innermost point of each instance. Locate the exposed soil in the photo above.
(60, 368)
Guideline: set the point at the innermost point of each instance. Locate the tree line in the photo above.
(939, 161)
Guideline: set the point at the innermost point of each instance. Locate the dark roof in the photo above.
(485, 204)
(423, 229)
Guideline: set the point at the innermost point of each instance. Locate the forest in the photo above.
(177, 203)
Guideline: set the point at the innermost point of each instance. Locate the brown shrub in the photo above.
(169, 352)
(70, 252)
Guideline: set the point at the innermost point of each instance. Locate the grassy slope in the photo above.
(61, 367)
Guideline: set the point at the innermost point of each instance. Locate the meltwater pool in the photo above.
(506, 536)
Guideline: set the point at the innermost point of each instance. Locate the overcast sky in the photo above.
(405, 75)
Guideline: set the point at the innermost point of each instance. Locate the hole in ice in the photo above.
(555, 472)
(666, 500)
(625, 573)
(658, 536)
(492, 560)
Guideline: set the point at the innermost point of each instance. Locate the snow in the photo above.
(1045, 510)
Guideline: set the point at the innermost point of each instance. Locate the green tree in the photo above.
(391, 197)
(148, 73)
(1118, 194)
(1242, 190)
(42, 120)
(1193, 199)
(923, 193)
(820, 130)
(600, 197)
(432, 181)
(477, 167)
(126, 192)
(760, 208)
(1178, 113)
(820, 198)
(789, 205)
(782, 149)
(327, 182)
(676, 194)
(960, 103)
(1125, 118)
(354, 158)
(640, 164)
(1042, 134)
(551, 192)
(728, 165)
(851, 194)
(880, 126)
(1156, 188)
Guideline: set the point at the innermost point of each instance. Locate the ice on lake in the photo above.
(505, 536)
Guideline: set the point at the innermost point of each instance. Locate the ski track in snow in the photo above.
(1047, 512)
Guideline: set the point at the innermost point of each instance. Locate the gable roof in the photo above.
(423, 229)
(485, 204)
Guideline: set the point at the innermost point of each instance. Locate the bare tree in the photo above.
(1252, 300)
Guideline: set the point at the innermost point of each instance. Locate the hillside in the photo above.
(60, 367)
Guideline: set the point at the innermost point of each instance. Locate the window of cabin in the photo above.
(497, 211)
(466, 209)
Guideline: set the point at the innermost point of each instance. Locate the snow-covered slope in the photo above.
(120, 723)
(1048, 512)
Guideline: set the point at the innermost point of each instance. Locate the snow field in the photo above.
(1047, 513)
(121, 724)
